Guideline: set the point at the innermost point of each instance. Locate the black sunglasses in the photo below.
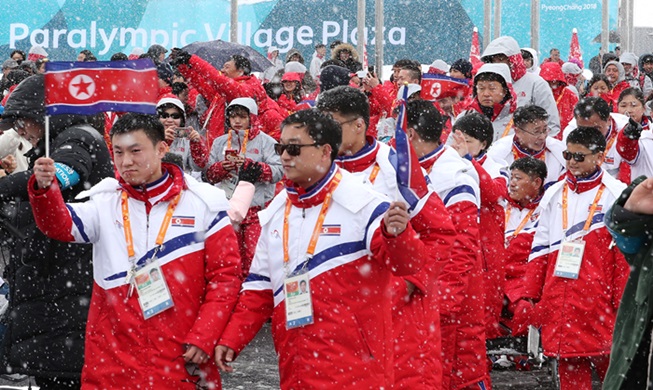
(165, 115)
(292, 149)
(578, 157)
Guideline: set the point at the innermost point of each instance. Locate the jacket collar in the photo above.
(521, 151)
(312, 196)
(584, 184)
(530, 206)
(170, 184)
(362, 160)
(429, 159)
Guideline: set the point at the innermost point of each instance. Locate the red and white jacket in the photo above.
(460, 282)
(576, 315)
(638, 153)
(507, 150)
(350, 277)
(199, 260)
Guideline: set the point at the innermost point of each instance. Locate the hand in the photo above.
(8, 164)
(179, 57)
(641, 199)
(44, 172)
(195, 355)
(229, 165)
(459, 143)
(224, 355)
(632, 130)
(370, 82)
(194, 136)
(250, 171)
(396, 218)
(170, 134)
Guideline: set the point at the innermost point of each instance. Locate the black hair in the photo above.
(551, 51)
(634, 92)
(320, 127)
(526, 54)
(607, 57)
(179, 87)
(491, 76)
(595, 79)
(591, 105)
(345, 100)
(22, 53)
(334, 44)
(477, 126)
(589, 137)
(241, 63)
(86, 53)
(414, 71)
(533, 167)
(529, 114)
(319, 46)
(333, 61)
(404, 62)
(133, 122)
(119, 57)
(90, 58)
(425, 119)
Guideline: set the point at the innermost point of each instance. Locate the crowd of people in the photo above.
(148, 250)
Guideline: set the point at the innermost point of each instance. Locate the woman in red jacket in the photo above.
(565, 98)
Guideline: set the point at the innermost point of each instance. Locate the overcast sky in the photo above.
(643, 13)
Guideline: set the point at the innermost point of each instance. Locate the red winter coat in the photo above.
(380, 103)
(565, 98)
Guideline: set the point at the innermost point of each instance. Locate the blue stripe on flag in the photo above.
(143, 108)
(59, 66)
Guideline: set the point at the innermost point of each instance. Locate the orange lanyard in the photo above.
(127, 224)
(243, 147)
(318, 225)
(560, 97)
(515, 154)
(595, 203)
(523, 222)
(375, 173)
(611, 142)
(508, 127)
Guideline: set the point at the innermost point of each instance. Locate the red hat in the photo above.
(293, 76)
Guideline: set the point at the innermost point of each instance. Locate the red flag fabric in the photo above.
(574, 49)
(88, 88)
(437, 86)
(475, 50)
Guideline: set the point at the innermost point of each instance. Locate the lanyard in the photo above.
(127, 224)
(243, 147)
(611, 141)
(507, 129)
(523, 222)
(318, 225)
(375, 173)
(595, 203)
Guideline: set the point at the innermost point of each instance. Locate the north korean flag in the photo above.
(87, 88)
(438, 86)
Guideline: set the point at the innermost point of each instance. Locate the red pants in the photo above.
(576, 373)
(248, 233)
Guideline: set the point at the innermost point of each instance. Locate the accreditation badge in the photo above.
(299, 305)
(153, 293)
(570, 257)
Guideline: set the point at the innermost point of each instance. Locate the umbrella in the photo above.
(613, 37)
(218, 52)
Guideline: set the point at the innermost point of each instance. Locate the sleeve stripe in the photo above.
(379, 210)
(464, 189)
(256, 277)
(78, 223)
(218, 218)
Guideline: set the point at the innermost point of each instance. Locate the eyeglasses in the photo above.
(165, 115)
(348, 121)
(538, 133)
(292, 149)
(578, 157)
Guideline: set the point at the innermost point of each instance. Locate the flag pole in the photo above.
(47, 136)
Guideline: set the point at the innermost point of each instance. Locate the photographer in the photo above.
(185, 142)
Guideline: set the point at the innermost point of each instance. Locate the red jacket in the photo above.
(122, 348)
(380, 103)
(351, 337)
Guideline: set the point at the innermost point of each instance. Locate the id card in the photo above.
(569, 259)
(299, 306)
(153, 294)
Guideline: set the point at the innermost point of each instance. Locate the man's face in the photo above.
(456, 74)
(81, 57)
(29, 129)
(533, 135)
(137, 159)
(594, 121)
(627, 67)
(405, 76)
(321, 51)
(612, 73)
(588, 165)
(312, 161)
(489, 93)
(500, 59)
(523, 187)
(229, 69)
(555, 55)
(17, 57)
(351, 131)
(648, 67)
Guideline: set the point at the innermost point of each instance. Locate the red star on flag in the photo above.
(82, 87)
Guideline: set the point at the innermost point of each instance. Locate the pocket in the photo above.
(365, 346)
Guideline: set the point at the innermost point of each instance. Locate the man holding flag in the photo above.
(50, 281)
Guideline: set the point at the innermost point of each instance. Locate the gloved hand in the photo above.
(632, 130)
(179, 57)
(250, 171)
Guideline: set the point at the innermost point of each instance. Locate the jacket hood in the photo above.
(536, 61)
(552, 71)
(628, 58)
(503, 45)
(501, 69)
(335, 53)
(622, 71)
(334, 76)
(292, 52)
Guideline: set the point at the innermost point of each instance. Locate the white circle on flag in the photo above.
(81, 87)
(436, 89)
